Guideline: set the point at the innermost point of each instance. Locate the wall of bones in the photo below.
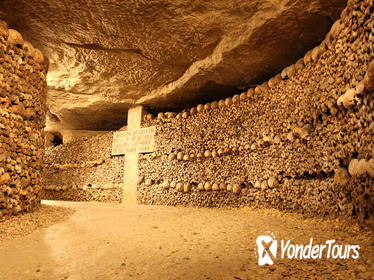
(302, 141)
(23, 72)
(83, 170)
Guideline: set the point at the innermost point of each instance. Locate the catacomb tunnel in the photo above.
(174, 140)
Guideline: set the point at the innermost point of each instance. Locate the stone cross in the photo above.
(131, 142)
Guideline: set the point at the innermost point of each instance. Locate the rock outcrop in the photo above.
(107, 55)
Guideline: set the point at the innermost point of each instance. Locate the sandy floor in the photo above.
(22, 225)
(103, 241)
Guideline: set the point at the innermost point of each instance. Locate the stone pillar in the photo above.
(134, 119)
(22, 120)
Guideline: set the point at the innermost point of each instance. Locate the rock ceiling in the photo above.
(108, 55)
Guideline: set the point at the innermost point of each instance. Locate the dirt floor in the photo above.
(22, 225)
(106, 241)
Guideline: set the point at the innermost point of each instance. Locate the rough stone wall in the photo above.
(161, 53)
(302, 141)
(23, 72)
(83, 170)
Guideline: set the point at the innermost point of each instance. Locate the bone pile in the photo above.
(23, 70)
(83, 170)
(302, 141)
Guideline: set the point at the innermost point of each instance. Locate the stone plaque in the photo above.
(119, 143)
(138, 140)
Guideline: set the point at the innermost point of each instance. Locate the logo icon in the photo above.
(266, 248)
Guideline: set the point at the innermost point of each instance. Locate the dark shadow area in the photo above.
(57, 140)
(212, 91)
(209, 92)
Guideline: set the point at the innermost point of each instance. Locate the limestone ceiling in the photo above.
(108, 55)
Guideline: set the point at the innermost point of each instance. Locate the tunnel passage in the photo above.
(301, 142)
